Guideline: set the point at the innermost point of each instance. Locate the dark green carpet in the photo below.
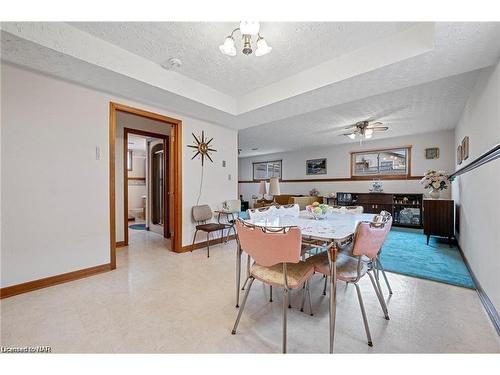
(405, 252)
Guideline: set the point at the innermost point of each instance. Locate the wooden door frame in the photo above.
(175, 151)
(166, 212)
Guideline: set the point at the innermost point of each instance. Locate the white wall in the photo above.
(55, 201)
(338, 164)
(477, 192)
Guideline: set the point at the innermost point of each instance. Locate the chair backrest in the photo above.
(369, 237)
(288, 210)
(268, 247)
(202, 213)
(261, 212)
(232, 205)
(354, 209)
(383, 217)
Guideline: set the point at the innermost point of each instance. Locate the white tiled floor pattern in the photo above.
(158, 301)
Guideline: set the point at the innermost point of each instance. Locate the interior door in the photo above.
(157, 187)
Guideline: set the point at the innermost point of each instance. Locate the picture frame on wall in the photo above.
(465, 148)
(432, 153)
(459, 154)
(316, 166)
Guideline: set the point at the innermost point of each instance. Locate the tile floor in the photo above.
(159, 301)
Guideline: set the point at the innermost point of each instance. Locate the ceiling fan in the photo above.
(364, 129)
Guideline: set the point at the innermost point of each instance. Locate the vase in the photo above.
(435, 193)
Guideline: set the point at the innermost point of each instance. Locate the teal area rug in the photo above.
(405, 251)
(138, 226)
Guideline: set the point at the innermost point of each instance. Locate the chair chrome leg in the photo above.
(309, 295)
(238, 274)
(194, 238)
(363, 312)
(333, 302)
(248, 272)
(285, 302)
(379, 263)
(270, 293)
(380, 297)
(326, 283)
(208, 244)
(303, 298)
(242, 306)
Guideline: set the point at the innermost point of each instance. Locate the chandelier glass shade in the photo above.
(248, 30)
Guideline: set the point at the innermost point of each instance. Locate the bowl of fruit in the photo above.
(318, 210)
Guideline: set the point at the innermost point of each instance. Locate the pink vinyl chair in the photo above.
(376, 264)
(277, 262)
(384, 217)
(367, 241)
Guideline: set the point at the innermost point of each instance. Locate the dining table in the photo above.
(325, 234)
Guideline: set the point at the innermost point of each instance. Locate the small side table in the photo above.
(230, 221)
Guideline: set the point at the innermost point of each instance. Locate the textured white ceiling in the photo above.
(417, 109)
(296, 47)
(423, 93)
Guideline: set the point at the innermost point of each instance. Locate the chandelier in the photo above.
(247, 30)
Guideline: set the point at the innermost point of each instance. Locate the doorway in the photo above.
(146, 183)
(172, 196)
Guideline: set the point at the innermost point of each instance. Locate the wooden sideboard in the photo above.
(438, 218)
(406, 209)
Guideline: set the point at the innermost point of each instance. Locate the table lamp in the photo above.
(274, 186)
(262, 189)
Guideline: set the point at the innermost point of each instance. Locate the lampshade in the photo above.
(274, 186)
(228, 47)
(262, 48)
(262, 188)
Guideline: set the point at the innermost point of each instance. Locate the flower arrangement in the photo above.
(318, 210)
(435, 180)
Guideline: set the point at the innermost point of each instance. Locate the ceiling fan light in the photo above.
(228, 47)
(262, 47)
(367, 136)
(369, 131)
(352, 135)
(249, 27)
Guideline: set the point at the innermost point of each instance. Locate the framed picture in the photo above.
(465, 148)
(459, 154)
(432, 153)
(316, 166)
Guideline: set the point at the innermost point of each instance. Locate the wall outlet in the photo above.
(229, 176)
(223, 163)
(97, 153)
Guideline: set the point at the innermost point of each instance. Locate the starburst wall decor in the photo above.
(202, 148)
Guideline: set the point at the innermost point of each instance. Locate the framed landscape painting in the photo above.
(316, 166)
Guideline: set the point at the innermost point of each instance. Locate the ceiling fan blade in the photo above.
(380, 129)
(374, 124)
(352, 126)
